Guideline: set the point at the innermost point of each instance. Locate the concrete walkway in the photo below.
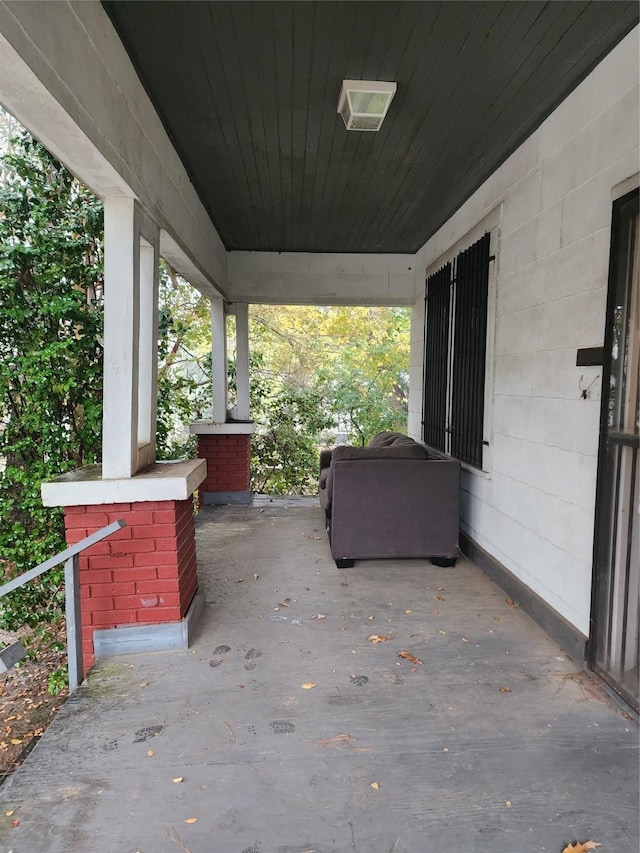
(495, 742)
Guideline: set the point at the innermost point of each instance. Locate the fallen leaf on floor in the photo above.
(508, 803)
(442, 632)
(308, 685)
(177, 780)
(16, 740)
(512, 603)
(375, 786)
(408, 612)
(446, 749)
(15, 823)
(370, 618)
(343, 740)
(10, 813)
(505, 690)
(379, 638)
(256, 576)
(240, 580)
(408, 656)
(320, 616)
(285, 603)
(440, 598)
(464, 640)
(191, 820)
(150, 753)
(313, 537)
(144, 684)
(581, 847)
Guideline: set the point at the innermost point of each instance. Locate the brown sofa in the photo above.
(394, 498)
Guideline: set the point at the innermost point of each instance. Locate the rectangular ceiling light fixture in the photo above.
(363, 104)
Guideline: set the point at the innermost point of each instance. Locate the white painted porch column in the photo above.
(241, 310)
(218, 361)
(121, 334)
(148, 349)
(131, 243)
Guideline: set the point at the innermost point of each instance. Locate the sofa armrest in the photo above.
(325, 459)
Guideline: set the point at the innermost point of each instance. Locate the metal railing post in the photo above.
(71, 562)
(72, 615)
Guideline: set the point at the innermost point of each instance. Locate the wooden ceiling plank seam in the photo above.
(264, 52)
(447, 144)
(470, 155)
(218, 172)
(313, 128)
(423, 140)
(279, 115)
(158, 34)
(406, 95)
(302, 38)
(242, 141)
(326, 136)
(365, 142)
(191, 85)
(357, 145)
(514, 140)
(472, 178)
(343, 39)
(344, 143)
(364, 192)
(395, 166)
(216, 165)
(252, 167)
(444, 26)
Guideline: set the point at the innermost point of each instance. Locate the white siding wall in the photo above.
(534, 511)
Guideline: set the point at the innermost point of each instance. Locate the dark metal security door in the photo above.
(614, 639)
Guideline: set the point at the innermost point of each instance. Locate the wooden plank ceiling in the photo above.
(248, 93)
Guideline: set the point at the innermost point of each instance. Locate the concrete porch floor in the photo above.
(497, 743)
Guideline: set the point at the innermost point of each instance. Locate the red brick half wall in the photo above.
(228, 477)
(144, 573)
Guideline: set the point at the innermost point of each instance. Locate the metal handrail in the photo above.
(72, 593)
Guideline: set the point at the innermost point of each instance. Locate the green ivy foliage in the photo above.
(50, 359)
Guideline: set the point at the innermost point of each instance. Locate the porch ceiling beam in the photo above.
(308, 278)
(67, 77)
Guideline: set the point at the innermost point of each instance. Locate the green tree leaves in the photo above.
(50, 357)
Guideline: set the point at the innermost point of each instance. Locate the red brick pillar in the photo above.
(228, 457)
(144, 573)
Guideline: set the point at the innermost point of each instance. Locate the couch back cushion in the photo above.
(387, 439)
(411, 450)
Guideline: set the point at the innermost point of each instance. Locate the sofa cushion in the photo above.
(387, 438)
(401, 451)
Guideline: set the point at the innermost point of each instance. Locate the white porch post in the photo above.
(121, 334)
(242, 360)
(219, 361)
(131, 260)
(148, 348)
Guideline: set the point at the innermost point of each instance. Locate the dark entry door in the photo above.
(616, 595)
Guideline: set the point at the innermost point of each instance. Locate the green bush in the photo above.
(50, 360)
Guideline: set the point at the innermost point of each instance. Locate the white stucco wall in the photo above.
(312, 278)
(534, 510)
